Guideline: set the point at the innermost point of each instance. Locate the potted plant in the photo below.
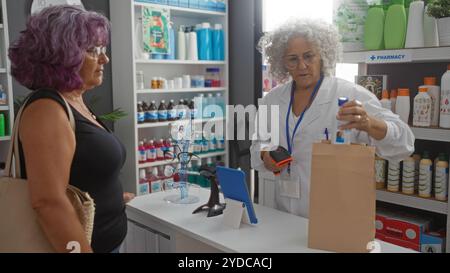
(440, 9)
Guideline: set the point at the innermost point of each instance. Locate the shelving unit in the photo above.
(418, 55)
(172, 91)
(124, 17)
(186, 12)
(166, 124)
(411, 56)
(7, 138)
(173, 62)
(169, 162)
(413, 201)
(433, 134)
(5, 81)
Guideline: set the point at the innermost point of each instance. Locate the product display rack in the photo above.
(5, 81)
(124, 16)
(415, 56)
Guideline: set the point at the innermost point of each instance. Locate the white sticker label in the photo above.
(391, 56)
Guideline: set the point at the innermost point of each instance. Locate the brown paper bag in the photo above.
(342, 198)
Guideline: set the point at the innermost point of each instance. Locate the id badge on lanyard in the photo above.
(290, 140)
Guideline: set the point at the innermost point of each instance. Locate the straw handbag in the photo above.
(20, 231)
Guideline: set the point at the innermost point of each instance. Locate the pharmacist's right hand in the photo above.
(270, 164)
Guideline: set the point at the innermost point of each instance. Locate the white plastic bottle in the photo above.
(192, 54)
(441, 179)
(414, 34)
(444, 119)
(221, 103)
(380, 172)
(394, 95)
(409, 175)
(211, 113)
(417, 159)
(385, 101)
(425, 176)
(393, 176)
(430, 30)
(422, 108)
(181, 46)
(403, 105)
(144, 186)
(435, 93)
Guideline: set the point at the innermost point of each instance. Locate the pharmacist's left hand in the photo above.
(354, 113)
(127, 197)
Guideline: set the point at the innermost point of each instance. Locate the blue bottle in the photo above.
(205, 42)
(172, 48)
(157, 56)
(218, 43)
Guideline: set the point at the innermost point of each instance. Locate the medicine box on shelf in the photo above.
(221, 6)
(433, 242)
(194, 4)
(212, 5)
(183, 3)
(406, 230)
(159, 2)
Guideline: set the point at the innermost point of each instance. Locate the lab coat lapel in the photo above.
(321, 103)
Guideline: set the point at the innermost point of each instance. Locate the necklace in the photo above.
(80, 103)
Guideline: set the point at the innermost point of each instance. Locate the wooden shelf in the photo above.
(417, 55)
(188, 90)
(412, 201)
(168, 162)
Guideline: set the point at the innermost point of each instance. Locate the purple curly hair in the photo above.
(50, 52)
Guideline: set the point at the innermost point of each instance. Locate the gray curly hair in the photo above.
(321, 34)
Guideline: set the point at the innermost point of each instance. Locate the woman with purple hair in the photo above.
(62, 52)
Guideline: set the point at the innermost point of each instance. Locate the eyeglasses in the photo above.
(95, 52)
(292, 61)
(183, 157)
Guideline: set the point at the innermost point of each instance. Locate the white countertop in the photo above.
(276, 231)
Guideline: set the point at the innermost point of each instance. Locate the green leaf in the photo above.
(114, 116)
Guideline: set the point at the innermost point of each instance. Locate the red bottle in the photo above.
(153, 180)
(151, 151)
(169, 149)
(159, 145)
(142, 153)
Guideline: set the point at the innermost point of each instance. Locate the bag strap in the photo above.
(13, 152)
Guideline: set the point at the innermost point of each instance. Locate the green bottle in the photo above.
(374, 28)
(2, 125)
(395, 26)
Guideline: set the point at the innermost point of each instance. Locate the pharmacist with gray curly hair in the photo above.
(302, 54)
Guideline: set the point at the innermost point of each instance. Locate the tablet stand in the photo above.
(235, 214)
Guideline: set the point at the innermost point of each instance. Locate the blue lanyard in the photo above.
(290, 140)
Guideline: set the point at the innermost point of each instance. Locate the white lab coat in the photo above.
(396, 146)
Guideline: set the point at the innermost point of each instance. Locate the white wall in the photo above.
(278, 11)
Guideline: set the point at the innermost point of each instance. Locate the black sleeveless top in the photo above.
(99, 157)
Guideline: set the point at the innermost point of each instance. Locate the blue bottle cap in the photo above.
(342, 101)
